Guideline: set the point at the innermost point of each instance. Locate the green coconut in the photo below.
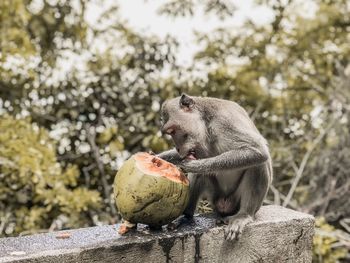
(150, 190)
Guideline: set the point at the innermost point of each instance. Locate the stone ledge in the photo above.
(277, 235)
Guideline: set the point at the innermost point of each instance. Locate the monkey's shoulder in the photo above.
(230, 133)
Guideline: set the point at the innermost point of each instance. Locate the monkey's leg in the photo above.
(251, 193)
(196, 189)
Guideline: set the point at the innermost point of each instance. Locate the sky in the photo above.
(142, 16)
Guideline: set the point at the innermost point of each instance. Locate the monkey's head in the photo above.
(182, 120)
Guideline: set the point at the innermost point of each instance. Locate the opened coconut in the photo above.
(150, 190)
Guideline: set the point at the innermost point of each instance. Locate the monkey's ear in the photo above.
(186, 102)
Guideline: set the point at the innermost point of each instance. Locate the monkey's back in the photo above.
(230, 117)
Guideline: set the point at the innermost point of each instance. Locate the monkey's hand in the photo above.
(243, 157)
(171, 156)
(193, 166)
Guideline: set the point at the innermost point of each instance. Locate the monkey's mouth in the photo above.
(191, 155)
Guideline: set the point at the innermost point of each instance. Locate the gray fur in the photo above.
(232, 166)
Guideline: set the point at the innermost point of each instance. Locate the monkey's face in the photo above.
(182, 121)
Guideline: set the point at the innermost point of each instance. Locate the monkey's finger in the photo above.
(181, 169)
(238, 233)
(231, 236)
(226, 232)
(229, 233)
(235, 232)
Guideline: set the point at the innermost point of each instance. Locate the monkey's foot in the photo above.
(221, 220)
(236, 225)
(182, 220)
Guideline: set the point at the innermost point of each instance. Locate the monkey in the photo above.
(225, 156)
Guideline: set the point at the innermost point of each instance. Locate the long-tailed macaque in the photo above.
(225, 156)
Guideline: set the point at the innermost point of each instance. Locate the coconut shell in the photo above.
(150, 190)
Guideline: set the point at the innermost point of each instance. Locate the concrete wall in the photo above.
(277, 235)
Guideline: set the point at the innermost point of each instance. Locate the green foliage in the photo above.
(291, 74)
(33, 36)
(222, 8)
(101, 113)
(13, 31)
(34, 188)
(326, 244)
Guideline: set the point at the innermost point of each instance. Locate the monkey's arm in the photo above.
(243, 157)
(171, 156)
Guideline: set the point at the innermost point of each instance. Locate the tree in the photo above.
(291, 74)
(35, 192)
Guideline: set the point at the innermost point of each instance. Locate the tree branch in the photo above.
(91, 136)
(300, 170)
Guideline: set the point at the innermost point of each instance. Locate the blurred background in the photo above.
(82, 81)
